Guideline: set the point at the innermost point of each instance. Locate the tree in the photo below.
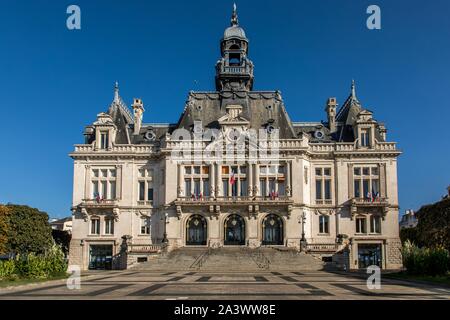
(4, 213)
(28, 230)
(433, 228)
(62, 238)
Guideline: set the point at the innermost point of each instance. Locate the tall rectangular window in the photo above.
(323, 185)
(361, 225)
(109, 225)
(104, 190)
(272, 188)
(244, 188)
(318, 189)
(262, 187)
(112, 190)
(150, 194)
(281, 187)
(365, 138)
(327, 189)
(206, 191)
(324, 224)
(233, 177)
(225, 187)
(145, 186)
(197, 187)
(141, 190)
(95, 226)
(104, 184)
(366, 183)
(375, 224)
(95, 192)
(104, 140)
(234, 189)
(187, 187)
(196, 181)
(145, 225)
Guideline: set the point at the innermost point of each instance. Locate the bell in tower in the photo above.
(234, 71)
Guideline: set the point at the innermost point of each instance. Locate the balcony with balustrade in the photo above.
(378, 204)
(99, 203)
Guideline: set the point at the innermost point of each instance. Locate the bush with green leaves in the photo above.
(32, 266)
(425, 261)
(7, 268)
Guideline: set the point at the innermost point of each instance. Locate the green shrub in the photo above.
(7, 269)
(425, 261)
(437, 261)
(32, 266)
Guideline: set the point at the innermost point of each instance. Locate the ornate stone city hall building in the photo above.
(327, 188)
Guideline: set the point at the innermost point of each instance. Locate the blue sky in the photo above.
(54, 81)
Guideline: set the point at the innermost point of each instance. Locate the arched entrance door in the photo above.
(234, 231)
(196, 231)
(272, 230)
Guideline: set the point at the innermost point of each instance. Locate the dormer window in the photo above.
(104, 140)
(365, 138)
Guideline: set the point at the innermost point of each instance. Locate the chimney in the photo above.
(382, 130)
(138, 109)
(331, 113)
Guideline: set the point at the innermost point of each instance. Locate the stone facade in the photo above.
(331, 186)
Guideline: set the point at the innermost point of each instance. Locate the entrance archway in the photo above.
(272, 230)
(196, 231)
(234, 231)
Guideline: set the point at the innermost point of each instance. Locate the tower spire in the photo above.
(234, 17)
(354, 90)
(116, 92)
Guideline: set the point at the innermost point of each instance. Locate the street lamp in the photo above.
(165, 240)
(303, 242)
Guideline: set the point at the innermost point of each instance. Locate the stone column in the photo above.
(250, 179)
(382, 172)
(212, 182)
(119, 182)
(256, 185)
(288, 187)
(87, 182)
(180, 180)
(219, 181)
(350, 181)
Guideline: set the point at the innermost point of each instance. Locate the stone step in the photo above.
(232, 259)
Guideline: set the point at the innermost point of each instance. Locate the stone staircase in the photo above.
(177, 260)
(239, 259)
(283, 259)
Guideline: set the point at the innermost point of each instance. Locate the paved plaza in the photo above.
(307, 285)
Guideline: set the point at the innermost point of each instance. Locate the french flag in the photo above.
(233, 178)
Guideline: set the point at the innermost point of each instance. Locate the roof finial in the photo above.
(234, 17)
(353, 90)
(116, 92)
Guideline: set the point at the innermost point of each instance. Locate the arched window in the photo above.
(196, 231)
(235, 59)
(272, 230)
(234, 230)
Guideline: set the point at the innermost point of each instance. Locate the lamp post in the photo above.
(165, 240)
(303, 242)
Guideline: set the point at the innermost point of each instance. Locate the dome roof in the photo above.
(234, 32)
